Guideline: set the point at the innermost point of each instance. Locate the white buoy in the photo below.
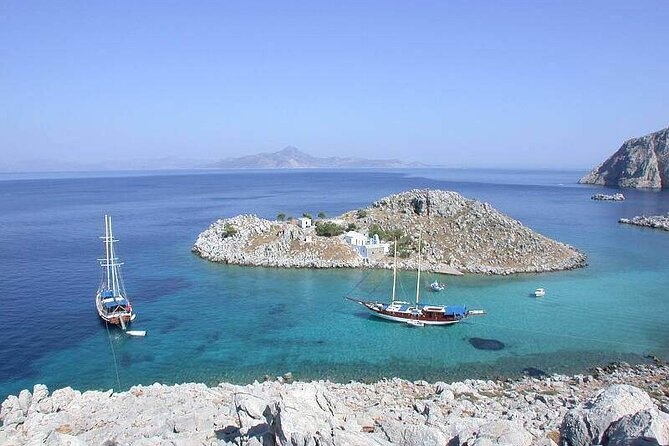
(136, 332)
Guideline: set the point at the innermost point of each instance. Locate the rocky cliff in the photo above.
(639, 162)
(458, 235)
(620, 405)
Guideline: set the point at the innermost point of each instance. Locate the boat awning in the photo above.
(115, 303)
(108, 293)
(455, 311)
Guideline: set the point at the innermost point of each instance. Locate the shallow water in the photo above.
(209, 322)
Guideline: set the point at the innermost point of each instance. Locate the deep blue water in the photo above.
(209, 322)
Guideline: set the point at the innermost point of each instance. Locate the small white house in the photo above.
(355, 238)
(304, 222)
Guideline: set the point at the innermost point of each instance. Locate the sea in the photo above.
(210, 323)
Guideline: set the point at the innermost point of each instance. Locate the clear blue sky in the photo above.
(468, 83)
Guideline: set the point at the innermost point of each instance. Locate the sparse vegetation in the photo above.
(229, 230)
(351, 227)
(321, 215)
(307, 215)
(361, 213)
(404, 243)
(281, 216)
(328, 229)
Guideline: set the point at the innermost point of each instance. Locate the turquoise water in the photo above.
(209, 322)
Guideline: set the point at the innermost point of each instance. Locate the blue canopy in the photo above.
(455, 311)
(108, 293)
(116, 303)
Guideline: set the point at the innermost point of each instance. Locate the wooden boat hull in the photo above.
(427, 319)
(122, 318)
(116, 320)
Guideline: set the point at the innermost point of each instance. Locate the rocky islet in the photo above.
(653, 221)
(608, 197)
(458, 235)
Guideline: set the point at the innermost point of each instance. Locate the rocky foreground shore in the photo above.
(458, 235)
(653, 221)
(618, 405)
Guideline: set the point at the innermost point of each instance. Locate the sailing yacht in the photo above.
(111, 300)
(416, 314)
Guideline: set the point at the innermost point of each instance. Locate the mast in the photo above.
(114, 278)
(110, 262)
(395, 270)
(418, 275)
(107, 244)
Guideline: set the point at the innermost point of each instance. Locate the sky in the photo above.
(457, 83)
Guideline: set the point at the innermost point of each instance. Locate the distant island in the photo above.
(293, 158)
(288, 158)
(459, 235)
(640, 162)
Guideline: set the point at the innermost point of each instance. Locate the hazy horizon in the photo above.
(456, 84)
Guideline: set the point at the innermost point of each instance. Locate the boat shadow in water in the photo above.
(486, 344)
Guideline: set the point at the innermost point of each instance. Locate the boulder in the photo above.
(25, 400)
(58, 439)
(413, 435)
(497, 432)
(646, 428)
(587, 425)
(291, 426)
(346, 438)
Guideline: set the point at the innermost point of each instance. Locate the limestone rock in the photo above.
(413, 435)
(645, 428)
(528, 411)
(587, 425)
(608, 197)
(654, 221)
(639, 162)
(458, 235)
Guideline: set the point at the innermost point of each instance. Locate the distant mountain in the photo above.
(639, 162)
(292, 158)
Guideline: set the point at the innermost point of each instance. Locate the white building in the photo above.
(304, 222)
(355, 238)
(367, 247)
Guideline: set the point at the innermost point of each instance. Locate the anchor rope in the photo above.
(118, 379)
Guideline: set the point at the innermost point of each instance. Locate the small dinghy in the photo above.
(539, 292)
(437, 286)
(139, 333)
(415, 323)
